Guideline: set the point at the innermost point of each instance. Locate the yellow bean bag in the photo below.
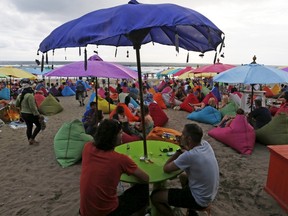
(276, 89)
(104, 105)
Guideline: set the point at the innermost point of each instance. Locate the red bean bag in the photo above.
(158, 98)
(157, 134)
(126, 138)
(268, 91)
(158, 115)
(39, 98)
(283, 109)
(240, 135)
(44, 91)
(127, 111)
(112, 90)
(191, 98)
(208, 96)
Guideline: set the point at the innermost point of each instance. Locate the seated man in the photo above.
(227, 119)
(102, 168)
(260, 116)
(201, 178)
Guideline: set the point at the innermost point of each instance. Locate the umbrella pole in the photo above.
(109, 95)
(137, 48)
(252, 92)
(96, 98)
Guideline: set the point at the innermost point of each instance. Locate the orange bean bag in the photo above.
(157, 134)
(158, 98)
(268, 91)
(127, 111)
(191, 98)
(152, 91)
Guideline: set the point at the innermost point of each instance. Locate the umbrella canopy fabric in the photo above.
(252, 74)
(184, 70)
(16, 72)
(3, 76)
(95, 68)
(37, 71)
(285, 69)
(167, 24)
(213, 68)
(125, 25)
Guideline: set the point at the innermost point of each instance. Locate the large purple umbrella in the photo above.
(135, 24)
(95, 68)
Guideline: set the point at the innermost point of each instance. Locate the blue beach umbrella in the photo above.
(135, 24)
(252, 74)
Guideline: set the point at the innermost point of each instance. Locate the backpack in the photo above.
(80, 87)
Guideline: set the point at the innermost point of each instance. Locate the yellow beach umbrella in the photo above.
(188, 74)
(3, 76)
(16, 73)
(167, 71)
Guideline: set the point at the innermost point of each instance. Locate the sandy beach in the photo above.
(34, 184)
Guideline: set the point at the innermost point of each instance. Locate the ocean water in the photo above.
(146, 67)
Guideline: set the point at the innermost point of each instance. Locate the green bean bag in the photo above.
(275, 132)
(69, 142)
(229, 109)
(50, 106)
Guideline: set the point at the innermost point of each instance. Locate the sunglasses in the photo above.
(165, 150)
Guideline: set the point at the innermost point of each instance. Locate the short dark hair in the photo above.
(106, 135)
(194, 131)
(240, 111)
(120, 110)
(93, 103)
(258, 103)
(127, 100)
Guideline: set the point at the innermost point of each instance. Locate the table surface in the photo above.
(135, 150)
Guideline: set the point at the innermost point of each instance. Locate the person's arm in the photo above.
(170, 165)
(141, 175)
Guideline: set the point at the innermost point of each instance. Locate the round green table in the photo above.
(154, 167)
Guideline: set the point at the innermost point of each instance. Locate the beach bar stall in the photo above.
(277, 180)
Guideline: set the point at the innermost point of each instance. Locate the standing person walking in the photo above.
(29, 111)
(80, 90)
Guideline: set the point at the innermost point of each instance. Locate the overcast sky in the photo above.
(258, 27)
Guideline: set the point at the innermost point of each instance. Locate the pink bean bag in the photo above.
(191, 98)
(161, 85)
(101, 92)
(158, 115)
(167, 89)
(240, 135)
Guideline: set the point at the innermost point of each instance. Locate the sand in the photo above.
(33, 183)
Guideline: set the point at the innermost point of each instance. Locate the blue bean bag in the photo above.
(5, 94)
(69, 142)
(87, 86)
(239, 135)
(73, 87)
(275, 132)
(67, 91)
(216, 93)
(208, 115)
(135, 104)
